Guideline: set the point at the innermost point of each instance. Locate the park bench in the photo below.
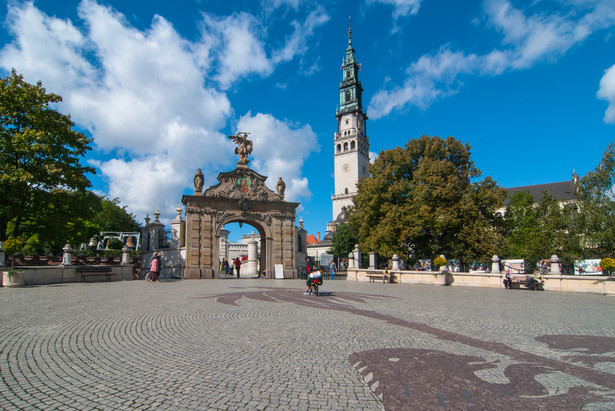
(379, 275)
(518, 281)
(94, 271)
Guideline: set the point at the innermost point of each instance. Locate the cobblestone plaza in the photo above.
(261, 344)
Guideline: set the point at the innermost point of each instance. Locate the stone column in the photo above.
(125, 255)
(351, 261)
(372, 260)
(178, 230)
(357, 256)
(495, 265)
(555, 267)
(395, 262)
(252, 264)
(67, 257)
(224, 244)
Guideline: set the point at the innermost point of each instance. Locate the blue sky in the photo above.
(530, 85)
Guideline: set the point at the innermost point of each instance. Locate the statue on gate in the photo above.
(199, 180)
(244, 147)
(280, 187)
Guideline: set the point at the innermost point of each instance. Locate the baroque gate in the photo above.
(240, 196)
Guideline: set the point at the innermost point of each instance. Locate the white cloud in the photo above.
(270, 5)
(280, 150)
(607, 92)
(527, 40)
(401, 8)
(152, 99)
(45, 45)
(240, 52)
(297, 42)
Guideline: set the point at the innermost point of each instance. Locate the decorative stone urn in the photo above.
(15, 279)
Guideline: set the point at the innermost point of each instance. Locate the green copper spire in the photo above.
(351, 92)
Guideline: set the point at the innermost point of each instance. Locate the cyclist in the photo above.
(311, 276)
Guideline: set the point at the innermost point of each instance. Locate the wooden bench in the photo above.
(377, 275)
(518, 281)
(93, 271)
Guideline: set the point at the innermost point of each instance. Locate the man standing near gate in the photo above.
(237, 263)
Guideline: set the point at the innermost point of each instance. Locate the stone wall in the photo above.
(562, 283)
(68, 274)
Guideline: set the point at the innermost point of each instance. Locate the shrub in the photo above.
(607, 265)
(12, 246)
(114, 244)
(439, 261)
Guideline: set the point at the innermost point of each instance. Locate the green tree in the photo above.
(73, 217)
(66, 217)
(596, 204)
(419, 201)
(344, 240)
(39, 151)
(535, 231)
(114, 217)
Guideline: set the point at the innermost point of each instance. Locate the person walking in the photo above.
(332, 268)
(237, 266)
(154, 268)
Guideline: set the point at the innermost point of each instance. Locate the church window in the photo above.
(346, 190)
(347, 96)
(352, 145)
(345, 146)
(339, 148)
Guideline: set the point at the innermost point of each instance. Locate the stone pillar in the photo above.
(224, 244)
(67, 257)
(495, 265)
(125, 255)
(357, 256)
(372, 260)
(178, 230)
(351, 261)
(2, 255)
(395, 262)
(555, 267)
(156, 233)
(252, 264)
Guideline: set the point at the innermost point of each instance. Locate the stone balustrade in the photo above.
(562, 283)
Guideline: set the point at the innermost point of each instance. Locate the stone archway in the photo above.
(240, 196)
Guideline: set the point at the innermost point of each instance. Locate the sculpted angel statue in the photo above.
(244, 147)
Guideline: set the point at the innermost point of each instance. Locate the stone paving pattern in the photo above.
(261, 344)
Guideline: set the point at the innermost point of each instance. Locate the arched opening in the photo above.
(345, 146)
(339, 148)
(244, 241)
(352, 145)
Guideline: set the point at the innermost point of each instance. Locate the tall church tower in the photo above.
(351, 146)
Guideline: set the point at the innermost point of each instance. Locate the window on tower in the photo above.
(339, 148)
(352, 145)
(345, 146)
(347, 96)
